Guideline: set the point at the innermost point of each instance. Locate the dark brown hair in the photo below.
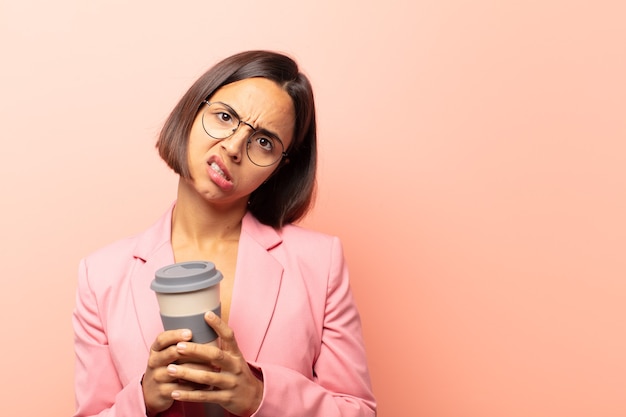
(288, 194)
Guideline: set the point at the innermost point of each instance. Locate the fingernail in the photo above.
(210, 315)
(181, 345)
(186, 334)
(175, 394)
(171, 368)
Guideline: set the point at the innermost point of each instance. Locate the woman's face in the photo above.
(220, 169)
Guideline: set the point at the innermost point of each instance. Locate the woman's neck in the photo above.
(196, 221)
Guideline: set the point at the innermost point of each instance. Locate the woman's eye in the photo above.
(224, 117)
(265, 143)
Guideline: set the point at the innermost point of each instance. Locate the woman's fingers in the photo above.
(205, 379)
(225, 333)
(234, 392)
(213, 357)
(231, 384)
(169, 338)
(157, 383)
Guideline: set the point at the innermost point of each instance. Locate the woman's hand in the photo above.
(233, 386)
(158, 383)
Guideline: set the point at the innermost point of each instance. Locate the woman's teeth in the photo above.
(217, 169)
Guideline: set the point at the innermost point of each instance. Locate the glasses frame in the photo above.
(248, 140)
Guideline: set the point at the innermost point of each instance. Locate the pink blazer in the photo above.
(292, 312)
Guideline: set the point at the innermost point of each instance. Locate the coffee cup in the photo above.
(185, 291)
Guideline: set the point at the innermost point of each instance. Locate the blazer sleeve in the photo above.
(98, 389)
(341, 384)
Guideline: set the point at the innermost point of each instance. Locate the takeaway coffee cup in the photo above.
(185, 292)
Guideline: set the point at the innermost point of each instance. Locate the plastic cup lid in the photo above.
(186, 277)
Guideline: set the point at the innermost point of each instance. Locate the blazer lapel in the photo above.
(257, 281)
(153, 251)
(257, 284)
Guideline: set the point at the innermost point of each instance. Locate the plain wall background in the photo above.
(472, 160)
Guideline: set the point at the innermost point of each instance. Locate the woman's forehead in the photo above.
(261, 102)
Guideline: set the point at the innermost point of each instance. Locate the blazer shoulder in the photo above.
(116, 258)
(298, 237)
(294, 231)
(103, 267)
(114, 251)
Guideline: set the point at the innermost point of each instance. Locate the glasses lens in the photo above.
(219, 121)
(264, 150)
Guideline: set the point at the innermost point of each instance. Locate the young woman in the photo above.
(243, 141)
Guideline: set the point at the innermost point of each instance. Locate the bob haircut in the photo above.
(288, 193)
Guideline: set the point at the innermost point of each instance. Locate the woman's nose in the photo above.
(234, 145)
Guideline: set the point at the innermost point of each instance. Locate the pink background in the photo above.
(473, 160)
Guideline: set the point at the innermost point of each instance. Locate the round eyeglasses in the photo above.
(220, 122)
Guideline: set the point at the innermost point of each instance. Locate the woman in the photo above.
(243, 141)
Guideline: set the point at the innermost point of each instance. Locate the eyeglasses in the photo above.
(220, 121)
